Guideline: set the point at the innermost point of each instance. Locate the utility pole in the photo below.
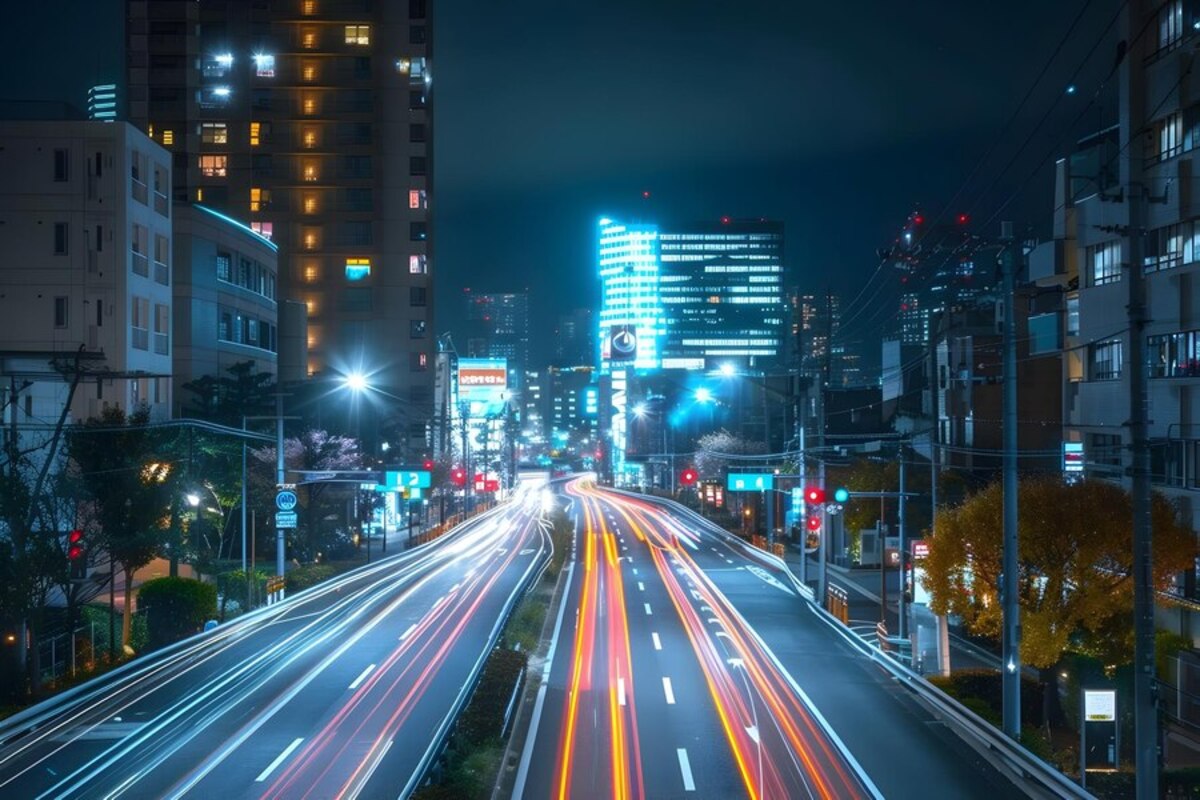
(902, 624)
(1011, 634)
(280, 479)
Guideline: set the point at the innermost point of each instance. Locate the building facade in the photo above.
(87, 234)
(226, 308)
(311, 120)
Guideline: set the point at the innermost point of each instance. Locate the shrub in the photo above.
(304, 577)
(984, 685)
(175, 608)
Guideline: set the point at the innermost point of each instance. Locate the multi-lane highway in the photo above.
(343, 691)
(684, 666)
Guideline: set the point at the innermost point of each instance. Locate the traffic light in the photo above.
(75, 554)
(812, 536)
(814, 495)
(841, 494)
(427, 464)
(688, 477)
(458, 476)
(814, 522)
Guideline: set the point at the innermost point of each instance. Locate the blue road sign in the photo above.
(285, 519)
(286, 500)
(410, 479)
(750, 481)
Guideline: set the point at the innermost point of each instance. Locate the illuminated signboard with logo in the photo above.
(1072, 457)
(622, 343)
(482, 380)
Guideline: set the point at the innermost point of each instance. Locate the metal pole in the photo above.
(821, 550)
(902, 625)
(1011, 644)
(280, 541)
(243, 499)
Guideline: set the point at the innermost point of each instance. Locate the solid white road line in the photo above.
(668, 691)
(648, 612)
(685, 769)
(408, 632)
(657, 642)
(362, 677)
(621, 691)
(279, 759)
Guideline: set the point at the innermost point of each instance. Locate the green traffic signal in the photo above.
(841, 494)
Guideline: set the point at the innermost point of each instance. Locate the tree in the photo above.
(175, 608)
(319, 502)
(225, 399)
(124, 474)
(1076, 581)
(714, 451)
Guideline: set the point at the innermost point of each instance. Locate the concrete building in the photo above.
(86, 229)
(311, 120)
(226, 309)
(498, 327)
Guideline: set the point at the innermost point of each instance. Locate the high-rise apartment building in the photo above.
(498, 326)
(312, 121)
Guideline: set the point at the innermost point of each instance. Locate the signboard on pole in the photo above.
(1072, 457)
(1100, 705)
(409, 479)
(750, 481)
(286, 500)
(285, 519)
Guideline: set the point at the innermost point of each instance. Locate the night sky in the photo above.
(838, 119)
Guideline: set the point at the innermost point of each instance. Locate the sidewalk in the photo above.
(864, 589)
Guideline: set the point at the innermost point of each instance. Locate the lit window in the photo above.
(308, 7)
(309, 71)
(312, 272)
(310, 204)
(403, 65)
(416, 265)
(310, 171)
(264, 65)
(357, 268)
(310, 240)
(358, 34)
(214, 133)
(312, 304)
(214, 166)
(259, 198)
(255, 133)
(309, 105)
(310, 137)
(308, 39)
(168, 137)
(416, 198)
(263, 229)
(199, 195)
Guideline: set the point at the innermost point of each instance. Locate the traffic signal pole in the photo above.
(1009, 589)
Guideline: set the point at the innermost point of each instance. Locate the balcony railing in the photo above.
(141, 265)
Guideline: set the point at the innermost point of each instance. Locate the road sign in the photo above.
(285, 519)
(286, 500)
(409, 479)
(1099, 705)
(750, 481)
(920, 549)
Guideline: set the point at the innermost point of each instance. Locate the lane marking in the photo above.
(668, 691)
(685, 769)
(362, 677)
(657, 641)
(635, 570)
(408, 632)
(641, 586)
(279, 759)
(752, 732)
(621, 691)
(648, 611)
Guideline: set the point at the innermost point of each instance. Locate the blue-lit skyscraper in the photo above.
(630, 322)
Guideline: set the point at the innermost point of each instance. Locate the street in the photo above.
(346, 690)
(686, 667)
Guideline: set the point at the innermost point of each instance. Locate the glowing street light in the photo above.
(728, 370)
(639, 410)
(193, 499)
(703, 395)
(356, 382)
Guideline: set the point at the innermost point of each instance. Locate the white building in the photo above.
(85, 227)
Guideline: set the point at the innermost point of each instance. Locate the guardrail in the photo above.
(1033, 774)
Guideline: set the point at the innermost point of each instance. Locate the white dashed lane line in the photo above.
(668, 691)
(685, 769)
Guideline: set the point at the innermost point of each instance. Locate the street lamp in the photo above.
(728, 370)
(356, 382)
(703, 395)
(193, 499)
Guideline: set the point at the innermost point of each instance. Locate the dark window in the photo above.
(355, 233)
(262, 99)
(416, 165)
(356, 166)
(416, 34)
(416, 328)
(362, 67)
(416, 9)
(262, 165)
(224, 266)
(356, 300)
(99, 313)
(62, 166)
(359, 200)
(99, 163)
(60, 238)
(416, 132)
(60, 312)
(417, 231)
(416, 99)
(99, 238)
(416, 295)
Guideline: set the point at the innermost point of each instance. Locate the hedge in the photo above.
(175, 608)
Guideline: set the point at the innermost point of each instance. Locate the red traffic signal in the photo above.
(688, 477)
(458, 476)
(814, 494)
(814, 522)
(427, 463)
(75, 545)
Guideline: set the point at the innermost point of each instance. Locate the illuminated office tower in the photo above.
(312, 121)
(722, 294)
(630, 324)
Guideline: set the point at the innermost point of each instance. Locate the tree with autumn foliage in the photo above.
(1076, 566)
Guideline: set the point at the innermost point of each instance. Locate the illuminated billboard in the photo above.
(622, 343)
(483, 383)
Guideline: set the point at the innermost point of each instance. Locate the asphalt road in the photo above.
(341, 691)
(684, 666)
